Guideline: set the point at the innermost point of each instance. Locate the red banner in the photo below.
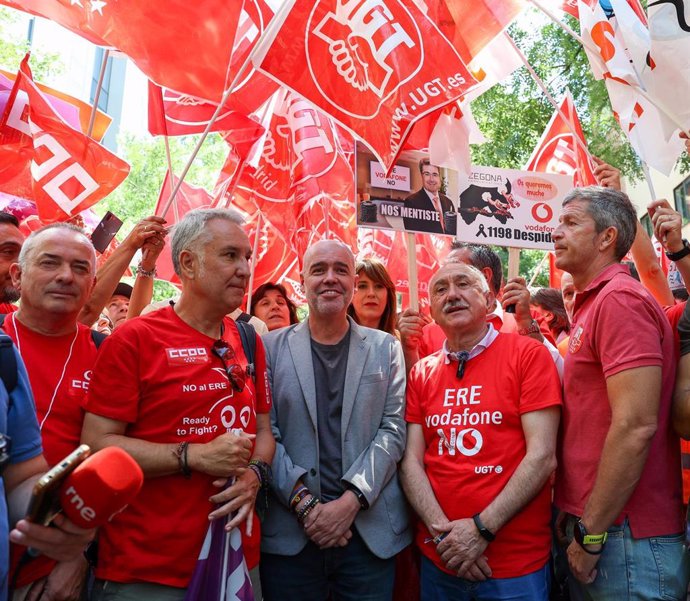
(44, 159)
(183, 45)
(558, 152)
(470, 26)
(375, 67)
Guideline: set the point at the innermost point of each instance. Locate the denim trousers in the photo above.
(350, 573)
(639, 569)
(438, 586)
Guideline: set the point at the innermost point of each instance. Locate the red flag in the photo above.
(183, 45)
(375, 67)
(173, 114)
(44, 159)
(390, 247)
(558, 152)
(74, 111)
(188, 198)
(472, 25)
(555, 274)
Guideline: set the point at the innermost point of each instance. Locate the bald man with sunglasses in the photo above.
(176, 391)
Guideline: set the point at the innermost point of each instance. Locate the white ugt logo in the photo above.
(354, 24)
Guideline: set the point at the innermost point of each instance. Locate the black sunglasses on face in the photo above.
(234, 370)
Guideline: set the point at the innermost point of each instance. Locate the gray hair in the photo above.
(477, 273)
(609, 208)
(481, 257)
(33, 239)
(191, 233)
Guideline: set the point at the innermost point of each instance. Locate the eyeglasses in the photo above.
(234, 371)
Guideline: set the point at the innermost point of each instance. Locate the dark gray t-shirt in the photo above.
(330, 366)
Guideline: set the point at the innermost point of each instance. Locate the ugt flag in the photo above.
(375, 66)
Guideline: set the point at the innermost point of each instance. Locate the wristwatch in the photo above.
(363, 503)
(683, 252)
(533, 328)
(584, 538)
(483, 530)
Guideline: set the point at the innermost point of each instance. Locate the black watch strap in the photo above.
(483, 530)
(363, 503)
(683, 252)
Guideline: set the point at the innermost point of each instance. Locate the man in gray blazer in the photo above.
(336, 515)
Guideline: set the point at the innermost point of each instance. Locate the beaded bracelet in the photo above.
(298, 497)
(146, 274)
(308, 506)
(181, 453)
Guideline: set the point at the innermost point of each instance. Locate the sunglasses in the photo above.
(234, 371)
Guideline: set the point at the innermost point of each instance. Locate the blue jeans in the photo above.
(644, 569)
(439, 586)
(350, 573)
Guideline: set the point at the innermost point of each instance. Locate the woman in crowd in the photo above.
(270, 303)
(548, 302)
(374, 304)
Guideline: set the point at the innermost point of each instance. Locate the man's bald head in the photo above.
(323, 247)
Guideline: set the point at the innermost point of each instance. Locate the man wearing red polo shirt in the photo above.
(618, 480)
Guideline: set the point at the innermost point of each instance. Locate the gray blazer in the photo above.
(372, 431)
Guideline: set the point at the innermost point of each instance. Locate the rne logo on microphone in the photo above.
(186, 356)
(87, 513)
(374, 46)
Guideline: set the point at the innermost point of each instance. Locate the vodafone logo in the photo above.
(374, 46)
(186, 356)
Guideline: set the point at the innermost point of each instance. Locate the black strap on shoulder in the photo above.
(244, 317)
(97, 337)
(248, 338)
(8, 362)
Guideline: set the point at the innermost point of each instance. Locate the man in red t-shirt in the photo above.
(618, 478)
(173, 388)
(482, 419)
(55, 274)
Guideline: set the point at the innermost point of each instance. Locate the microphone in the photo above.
(103, 485)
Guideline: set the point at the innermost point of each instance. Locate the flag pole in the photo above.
(268, 32)
(97, 94)
(513, 262)
(538, 270)
(585, 44)
(538, 80)
(255, 252)
(412, 271)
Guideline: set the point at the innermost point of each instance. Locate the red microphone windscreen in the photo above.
(100, 487)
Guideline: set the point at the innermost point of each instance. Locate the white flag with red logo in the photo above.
(374, 66)
(669, 29)
(44, 159)
(650, 132)
(558, 152)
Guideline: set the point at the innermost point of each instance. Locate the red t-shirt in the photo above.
(674, 313)
(46, 357)
(6, 308)
(618, 326)
(475, 442)
(157, 374)
(433, 336)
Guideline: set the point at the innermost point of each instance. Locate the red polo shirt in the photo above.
(618, 326)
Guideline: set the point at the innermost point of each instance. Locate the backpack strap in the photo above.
(248, 338)
(8, 364)
(243, 317)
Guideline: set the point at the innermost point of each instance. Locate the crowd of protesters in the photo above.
(512, 444)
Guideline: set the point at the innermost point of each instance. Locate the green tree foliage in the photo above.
(14, 46)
